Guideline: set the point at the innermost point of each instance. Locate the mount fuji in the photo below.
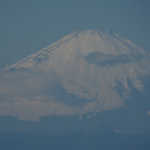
(91, 74)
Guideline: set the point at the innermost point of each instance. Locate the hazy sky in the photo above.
(27, 26)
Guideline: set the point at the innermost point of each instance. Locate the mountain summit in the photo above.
(85, 72)
(83, 43)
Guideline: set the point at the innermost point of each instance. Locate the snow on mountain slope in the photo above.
(81, 43)
(90, 66)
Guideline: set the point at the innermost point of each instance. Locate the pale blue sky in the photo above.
(27, 26)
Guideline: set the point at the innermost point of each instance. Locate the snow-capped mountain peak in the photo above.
(88, 66)
(83, 43)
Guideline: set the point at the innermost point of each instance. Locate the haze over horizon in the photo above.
(74, 74)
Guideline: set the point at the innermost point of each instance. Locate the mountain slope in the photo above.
(84, 72)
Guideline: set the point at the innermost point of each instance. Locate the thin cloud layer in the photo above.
(148, 112)
(101, 59)
(35, 94)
